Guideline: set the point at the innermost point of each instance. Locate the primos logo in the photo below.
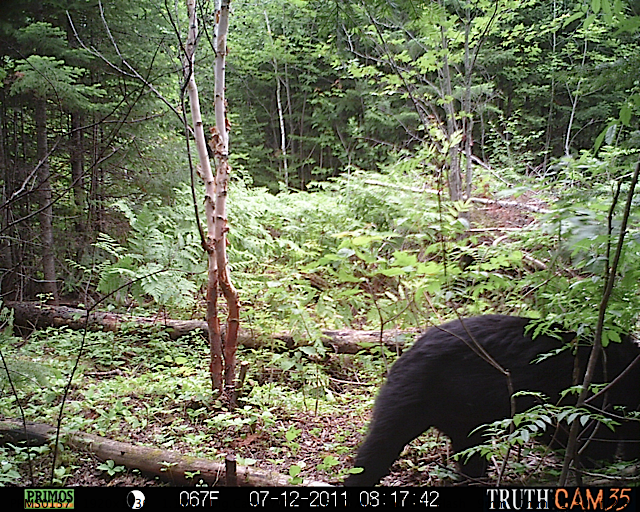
(48, 498)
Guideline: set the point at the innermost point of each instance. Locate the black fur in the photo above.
(441, 382)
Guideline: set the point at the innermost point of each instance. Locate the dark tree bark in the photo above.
(46, 215)
(13, 173)
(7, 276)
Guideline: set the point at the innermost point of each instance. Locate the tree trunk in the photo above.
(76, 161)
(95, 193)
(16, 181)
(283, 139)
(213, 323)
(552, 97)
(466, 108)
(611, 278)
(222, 185)
(7, 274)
(46, 213)
(223, 356)
(574, 104)
(455, 178)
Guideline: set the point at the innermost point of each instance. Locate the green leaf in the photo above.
(600, 139)
(363, 240)
(572, 18)
(611, 133)
(392, 272)
(310, 351)
(588, 21)
(294, 470)
(625, 114)
(292, 433)
(345, 253)
(404, 259)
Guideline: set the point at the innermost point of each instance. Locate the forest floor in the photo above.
(319, 439)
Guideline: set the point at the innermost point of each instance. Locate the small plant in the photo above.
(190, 475)
(290, 435)
(62, 473)
(9, 474)
(524, 427)
(294, 471)
(110, 468)
(327, 463)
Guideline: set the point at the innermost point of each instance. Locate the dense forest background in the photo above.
(90, 93)
(392, 163)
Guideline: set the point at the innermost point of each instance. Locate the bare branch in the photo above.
(132, 73)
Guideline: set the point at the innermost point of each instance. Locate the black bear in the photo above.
(441, 382)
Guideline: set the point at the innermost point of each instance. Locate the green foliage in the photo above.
(288, 227)
(290, 436)
(43, 38)
(364, 243)
(24, 372)
(585, 243)
(62, 473)
(537, 80)
(519, 431)
(9, 474)
(110, 468)
(46, 77)
(162, 260)
(294, 471)
(13, 457)
(44, 73)
(153, 380)
(405, 258)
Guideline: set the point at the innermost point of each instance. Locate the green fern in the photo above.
(161, 261)
(24, 372)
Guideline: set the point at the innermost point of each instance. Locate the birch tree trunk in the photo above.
(575, 97)
(215, 341)
(283, 139)
(216, 188)
(221, 152)
(552, 96)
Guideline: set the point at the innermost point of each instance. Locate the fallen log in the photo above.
(170, 466)
(35, 315)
